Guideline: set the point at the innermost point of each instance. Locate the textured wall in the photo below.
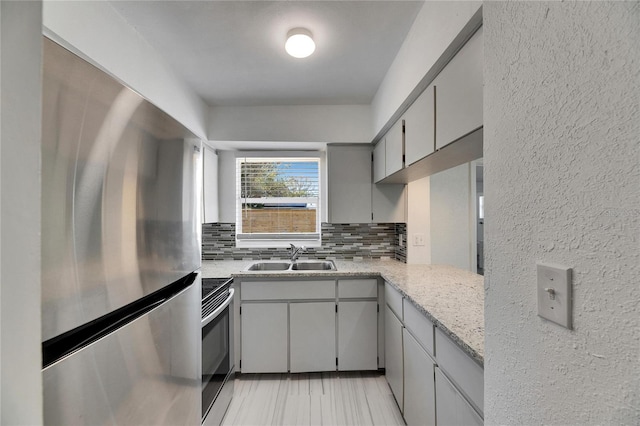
(562, 128)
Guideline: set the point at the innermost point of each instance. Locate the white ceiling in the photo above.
(232, 52)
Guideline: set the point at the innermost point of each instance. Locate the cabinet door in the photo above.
(357, 335)
(419, 387)
(379, 163)
(394, 150)
(393, 355)
(451, 407)
(389, 203)
(419, 127)
(459, 93)
(264, 337)
(313, 336)
(349, 182)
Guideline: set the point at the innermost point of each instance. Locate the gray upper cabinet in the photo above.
(449, 109)
(394, 150)
(389, 203)
(459, 93)
(349, 182)
(379, 161)
(352, 197)
(419, 127)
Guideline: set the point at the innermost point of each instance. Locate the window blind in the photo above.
(277, 198)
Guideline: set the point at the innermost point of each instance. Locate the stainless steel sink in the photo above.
(269, 266)
(301, 265)
(326, 265)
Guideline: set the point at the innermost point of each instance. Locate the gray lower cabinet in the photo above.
(451, 407)
(300, 325)
(357, 335)
(264, 338)
(466, 375)
(313, 336)
(419, 389)
(414, 357)
(394, 370)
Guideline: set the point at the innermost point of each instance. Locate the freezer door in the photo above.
(147, 372)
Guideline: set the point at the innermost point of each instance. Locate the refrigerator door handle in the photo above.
(219, 309)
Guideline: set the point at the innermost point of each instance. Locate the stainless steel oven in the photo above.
(217, 348)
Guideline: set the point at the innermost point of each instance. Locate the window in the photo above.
(277, 201)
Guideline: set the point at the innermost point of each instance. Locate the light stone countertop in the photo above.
(452, 298)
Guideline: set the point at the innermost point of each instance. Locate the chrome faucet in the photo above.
(296, 251)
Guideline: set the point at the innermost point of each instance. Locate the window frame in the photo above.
(282, 239)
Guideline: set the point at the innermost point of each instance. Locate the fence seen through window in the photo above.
(277, 198)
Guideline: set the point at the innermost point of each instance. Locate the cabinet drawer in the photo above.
(393, 298)
(419, 325)
(367, 288)
(463, 371)
(287, 290)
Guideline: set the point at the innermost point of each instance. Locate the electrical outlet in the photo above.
(554, 293)
(400, 240)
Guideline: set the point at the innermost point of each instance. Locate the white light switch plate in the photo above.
(418, 239)
(554, 293)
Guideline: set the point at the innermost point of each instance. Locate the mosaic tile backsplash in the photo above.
(401, 233)
(339, 241)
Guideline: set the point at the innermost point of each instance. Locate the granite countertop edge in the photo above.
(348, 268)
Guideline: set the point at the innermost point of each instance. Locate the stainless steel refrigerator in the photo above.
(121, 290)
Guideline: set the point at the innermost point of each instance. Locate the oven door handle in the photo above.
(219, 309)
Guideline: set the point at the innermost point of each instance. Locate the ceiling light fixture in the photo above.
(299, 43)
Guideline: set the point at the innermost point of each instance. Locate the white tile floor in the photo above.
(333, 399)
